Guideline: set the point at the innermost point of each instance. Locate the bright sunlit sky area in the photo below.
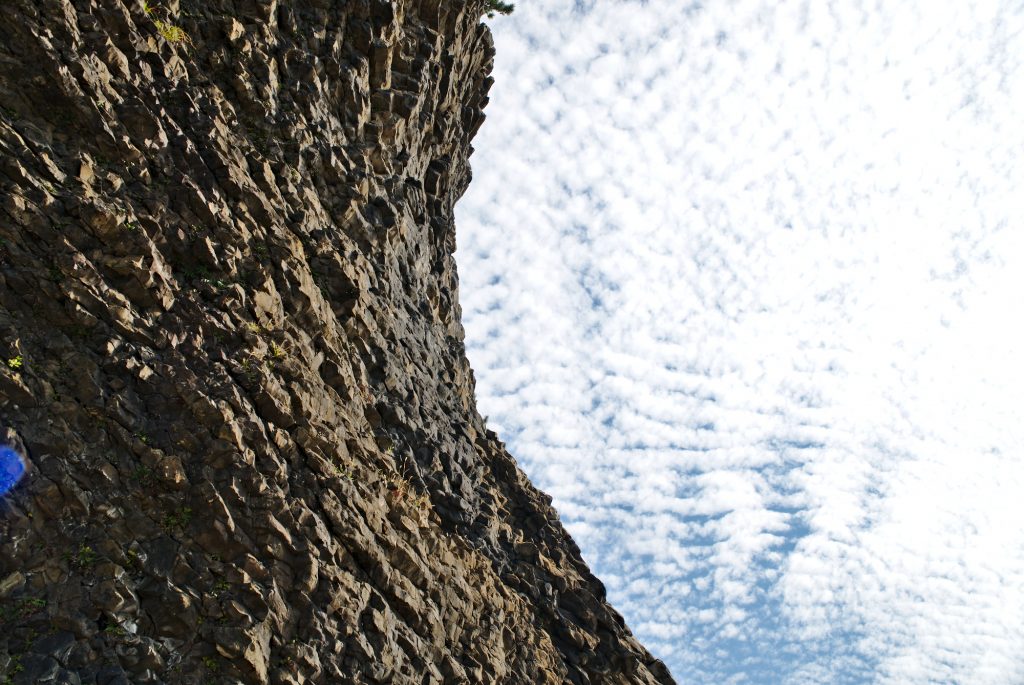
(742, 283)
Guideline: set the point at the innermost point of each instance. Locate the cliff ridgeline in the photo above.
(232, 365)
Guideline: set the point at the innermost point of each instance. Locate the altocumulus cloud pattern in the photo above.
(741, 283)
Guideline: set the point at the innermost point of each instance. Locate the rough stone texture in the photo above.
(254, 454)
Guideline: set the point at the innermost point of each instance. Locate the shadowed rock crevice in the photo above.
(253, 452)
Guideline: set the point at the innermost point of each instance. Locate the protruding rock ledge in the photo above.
(230, 352)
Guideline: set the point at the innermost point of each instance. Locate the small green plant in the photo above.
(115, 630)
(221, 586)
(16, 362)
(23, 608)
(86, 556)
(144, 475)
(172, 33)
(211, 664)
(134, 560)
(14, 667)
(179, 519)
(196, 273)
(492, 7)
(397, 484)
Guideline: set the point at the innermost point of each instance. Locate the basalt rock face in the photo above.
(231, 356)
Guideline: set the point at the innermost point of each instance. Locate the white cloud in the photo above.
(740, 283)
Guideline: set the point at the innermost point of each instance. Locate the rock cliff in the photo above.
(232, 362)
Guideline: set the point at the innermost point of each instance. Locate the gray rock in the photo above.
(226, 236)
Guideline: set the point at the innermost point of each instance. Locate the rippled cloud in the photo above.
(741, 283)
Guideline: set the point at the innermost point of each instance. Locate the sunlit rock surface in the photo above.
(233, 368)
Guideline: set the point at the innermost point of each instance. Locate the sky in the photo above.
(743, 286)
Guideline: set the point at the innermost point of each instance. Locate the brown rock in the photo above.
(227, 261)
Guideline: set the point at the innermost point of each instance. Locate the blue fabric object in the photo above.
(11, 469)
